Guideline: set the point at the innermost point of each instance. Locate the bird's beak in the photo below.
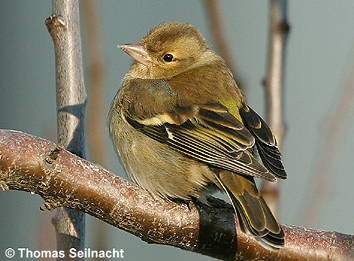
(137, 52)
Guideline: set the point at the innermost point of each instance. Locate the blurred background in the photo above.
(319, 103)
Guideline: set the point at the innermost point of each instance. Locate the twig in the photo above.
(335, 126)
(278, 31)
(64, 28)
(32, 164)
(215, 21)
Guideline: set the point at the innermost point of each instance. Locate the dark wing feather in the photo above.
(212, 136)
(265, 141)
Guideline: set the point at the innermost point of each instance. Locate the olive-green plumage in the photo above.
(182, 128)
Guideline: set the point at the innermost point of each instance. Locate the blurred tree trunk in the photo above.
(274, 87)
(213, 13)
(96, 130)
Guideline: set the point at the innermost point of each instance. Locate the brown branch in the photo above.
(39, 166)
(278, 31)
(335, 126)
(64, 28)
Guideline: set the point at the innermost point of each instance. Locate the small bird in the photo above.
(182, 128)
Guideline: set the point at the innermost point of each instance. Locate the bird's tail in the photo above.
(254, 215)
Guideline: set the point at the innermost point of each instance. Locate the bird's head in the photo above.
(168, 50)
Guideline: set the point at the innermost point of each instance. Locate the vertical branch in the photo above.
(63, 26)
(278, 30)
(96, 92)
(213, 12)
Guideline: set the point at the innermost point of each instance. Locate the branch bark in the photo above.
(39, 166)
(278, 31)
(63, 26)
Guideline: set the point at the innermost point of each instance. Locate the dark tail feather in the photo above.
(253, 213)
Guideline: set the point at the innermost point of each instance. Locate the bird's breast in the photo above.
(147, 100)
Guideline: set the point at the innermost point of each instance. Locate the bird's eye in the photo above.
(168, 57)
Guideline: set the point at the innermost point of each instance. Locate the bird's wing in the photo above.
(265, 141)
(208, 133)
